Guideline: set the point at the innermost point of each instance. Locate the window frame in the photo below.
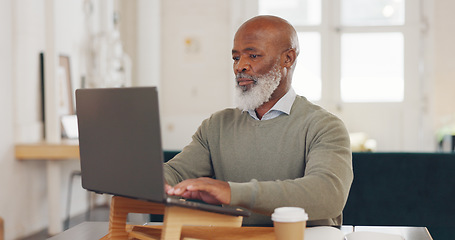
(331, 30)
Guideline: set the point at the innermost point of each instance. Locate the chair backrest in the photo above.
(403, 189)
(169, 154)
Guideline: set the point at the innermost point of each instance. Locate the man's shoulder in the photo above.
(310, 110)
(304, 106)
(221, 119)
(227, 113)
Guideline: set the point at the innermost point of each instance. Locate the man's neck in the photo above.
(264, 108)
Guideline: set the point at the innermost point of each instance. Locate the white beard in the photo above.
(260, 92)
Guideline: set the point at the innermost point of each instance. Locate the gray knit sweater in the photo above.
(302, 159)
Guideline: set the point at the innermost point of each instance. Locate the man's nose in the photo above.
(242, 66)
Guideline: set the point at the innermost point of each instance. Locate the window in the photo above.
(354, 47)
(307, 75)
(372, 12)
(302, 13)
(372, 67)
(298, 12)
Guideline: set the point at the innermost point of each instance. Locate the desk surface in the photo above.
(84, 231)
(409, 233)
(67, 149)
(97, 230)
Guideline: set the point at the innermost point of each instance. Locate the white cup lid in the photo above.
(289, 214)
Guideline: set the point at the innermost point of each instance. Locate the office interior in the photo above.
(183, 48)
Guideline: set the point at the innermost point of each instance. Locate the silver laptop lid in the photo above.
(120, 142)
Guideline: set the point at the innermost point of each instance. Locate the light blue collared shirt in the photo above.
(283, 106)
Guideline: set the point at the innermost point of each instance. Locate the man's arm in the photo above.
(190, 173)
(193, 162)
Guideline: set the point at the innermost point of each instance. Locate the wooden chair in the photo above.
(174, 219)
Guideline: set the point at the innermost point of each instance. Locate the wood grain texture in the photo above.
(212, 232)
(120, 207)
(174, 219)
(2, 229)
(47, 151)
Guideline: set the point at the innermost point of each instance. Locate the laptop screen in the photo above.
(120, 142)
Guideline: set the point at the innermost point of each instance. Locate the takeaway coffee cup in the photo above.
(289, 223)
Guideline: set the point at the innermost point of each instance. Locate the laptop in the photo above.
(120, 146)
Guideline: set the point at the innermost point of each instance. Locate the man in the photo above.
(277, 149)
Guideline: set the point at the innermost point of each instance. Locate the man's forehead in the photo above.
(251, 40)
(250, 45)
(251, 33)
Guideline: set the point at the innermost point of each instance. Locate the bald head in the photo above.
(271, 28)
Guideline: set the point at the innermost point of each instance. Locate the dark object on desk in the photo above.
(403, 189)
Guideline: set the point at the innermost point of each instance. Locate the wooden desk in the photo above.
(84, 231)
(47, 151)
(53, 153)
(97, 230)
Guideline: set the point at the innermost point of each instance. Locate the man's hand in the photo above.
(206, 189)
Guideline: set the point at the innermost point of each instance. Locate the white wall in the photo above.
(196, 66)
(22, 186)
(23, 183)
(6, 108)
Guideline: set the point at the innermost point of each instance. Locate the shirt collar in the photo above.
(283, 105)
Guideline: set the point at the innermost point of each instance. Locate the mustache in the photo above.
(244, 75)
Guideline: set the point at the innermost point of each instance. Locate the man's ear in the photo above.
(289, 57)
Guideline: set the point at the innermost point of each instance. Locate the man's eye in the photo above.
(235, 58)
(253, 56)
